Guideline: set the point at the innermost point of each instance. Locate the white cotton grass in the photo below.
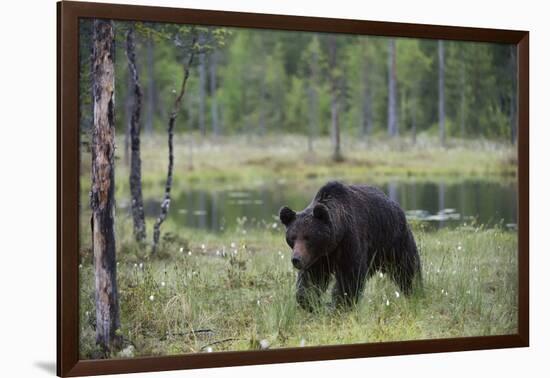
(264, 344)
(302, 342)
(397, 294)
(163, 284)
(209, 350)
(151, 297)
(387, 302)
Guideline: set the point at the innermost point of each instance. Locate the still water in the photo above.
(437, 204)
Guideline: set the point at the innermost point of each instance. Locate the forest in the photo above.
(192, 138)
(265, 81)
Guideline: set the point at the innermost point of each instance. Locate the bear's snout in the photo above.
(299, 254)
(296, 261)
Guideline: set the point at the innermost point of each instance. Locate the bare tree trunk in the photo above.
(393, 129)
(213, 92)
(334, 101)
(441, 50)
(165, 205)
(202, 91)
(151, 87)
(102, 200)
(138, 213)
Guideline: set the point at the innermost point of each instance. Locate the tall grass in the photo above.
(235, 291)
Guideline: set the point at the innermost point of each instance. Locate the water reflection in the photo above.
(440, 204)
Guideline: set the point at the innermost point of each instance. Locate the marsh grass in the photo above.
(249, 161)
(235, 291)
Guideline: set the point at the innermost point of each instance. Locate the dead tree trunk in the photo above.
(138, 213)
(103, 187)
(393, 129)
(165, 205)
(441, 51)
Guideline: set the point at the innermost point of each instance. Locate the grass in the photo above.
(252, 161)
(235, 291)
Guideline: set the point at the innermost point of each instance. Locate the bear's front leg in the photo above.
(310, 284)
(348, 287)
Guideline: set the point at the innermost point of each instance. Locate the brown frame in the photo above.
(68, 13)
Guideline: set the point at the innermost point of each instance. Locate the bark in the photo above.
(441, 53)
(334, 101)
(213, 98)
(138, 213)
(151, 87)
(165, 205)
(103, 187)
(393, 129)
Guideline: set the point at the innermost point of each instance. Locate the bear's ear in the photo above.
(320, 212)
(287, 215)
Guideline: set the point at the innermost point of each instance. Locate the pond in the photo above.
(437, 204)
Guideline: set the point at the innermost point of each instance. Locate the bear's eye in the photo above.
(290, 241)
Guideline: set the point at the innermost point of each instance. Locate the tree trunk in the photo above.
(103, 187)
(334, 100)
(213, 98)
(441, 50)
(165, 205)
(202, 91)
(392, 90)
(151, 87)
(138, 213)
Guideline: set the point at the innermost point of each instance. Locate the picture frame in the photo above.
(68, 15)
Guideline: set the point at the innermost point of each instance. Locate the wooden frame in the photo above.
(68, 13)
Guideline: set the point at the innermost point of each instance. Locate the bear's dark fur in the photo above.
(351, 232)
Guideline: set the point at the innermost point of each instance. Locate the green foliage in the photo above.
(265, 80)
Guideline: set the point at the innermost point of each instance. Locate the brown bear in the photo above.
(351, 232)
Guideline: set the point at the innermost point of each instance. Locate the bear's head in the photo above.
(308, 233)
